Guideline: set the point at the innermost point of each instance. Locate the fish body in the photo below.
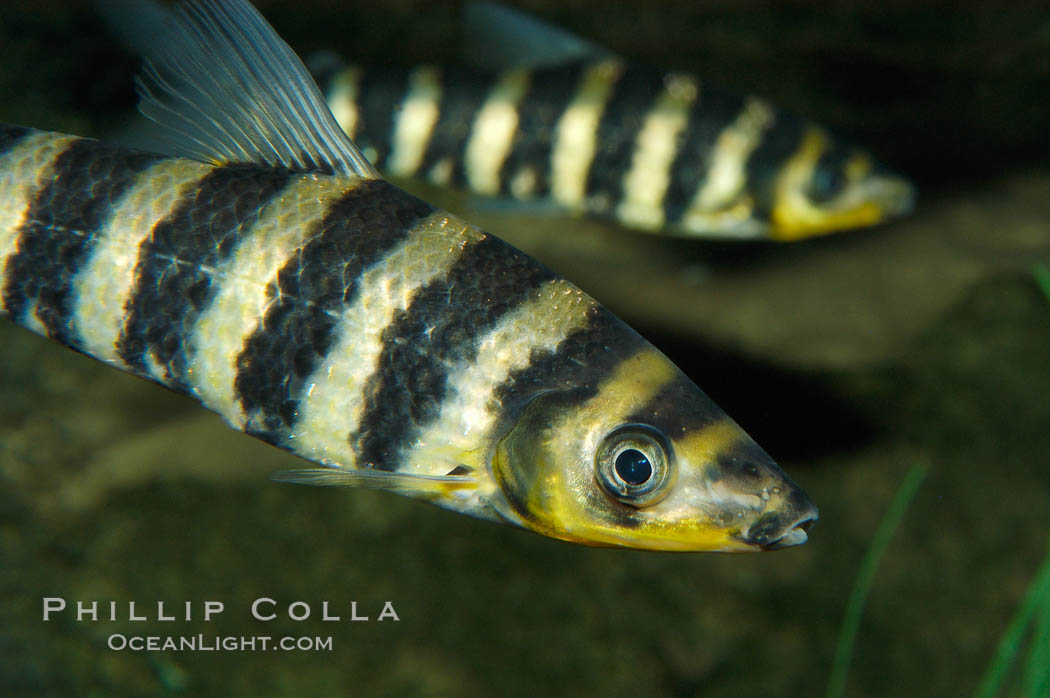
(658, 151)
(279, 280)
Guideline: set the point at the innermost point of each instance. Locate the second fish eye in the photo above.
(826, 184)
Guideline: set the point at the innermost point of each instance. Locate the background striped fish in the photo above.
(285, 285)
(588, 132)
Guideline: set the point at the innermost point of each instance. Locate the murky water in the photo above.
(851, 359)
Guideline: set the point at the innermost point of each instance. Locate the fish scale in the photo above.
(439, 328)
(174, 278)
(297, 329)
(186, 256)
(86, 180)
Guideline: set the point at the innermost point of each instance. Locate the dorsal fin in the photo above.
(502, 38)
(225, 88)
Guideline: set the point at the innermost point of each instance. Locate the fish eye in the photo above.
(826, 184)
(633, 467)
(633, 464)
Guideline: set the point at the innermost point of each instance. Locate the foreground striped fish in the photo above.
(279, 280)
(661, 152)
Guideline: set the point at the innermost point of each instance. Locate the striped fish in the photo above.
(656, 151)
(278, 279)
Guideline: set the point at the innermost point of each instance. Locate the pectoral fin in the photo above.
(425, 486)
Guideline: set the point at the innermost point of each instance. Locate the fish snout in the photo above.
(894, 194)
(784, 524)
(773, 512)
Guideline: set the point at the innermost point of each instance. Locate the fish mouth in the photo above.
(893, 193)
(796, 535)
(783, 529)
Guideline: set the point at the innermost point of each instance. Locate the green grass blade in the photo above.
(1037, 597)
(866, 575)
(1042, 277)
(1037, 667)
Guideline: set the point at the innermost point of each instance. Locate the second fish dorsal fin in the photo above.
(221, 83)
(502, 38)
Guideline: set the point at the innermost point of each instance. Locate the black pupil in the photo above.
(633, 467)
(827, 183)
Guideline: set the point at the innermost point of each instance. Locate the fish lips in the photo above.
(783, 528)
